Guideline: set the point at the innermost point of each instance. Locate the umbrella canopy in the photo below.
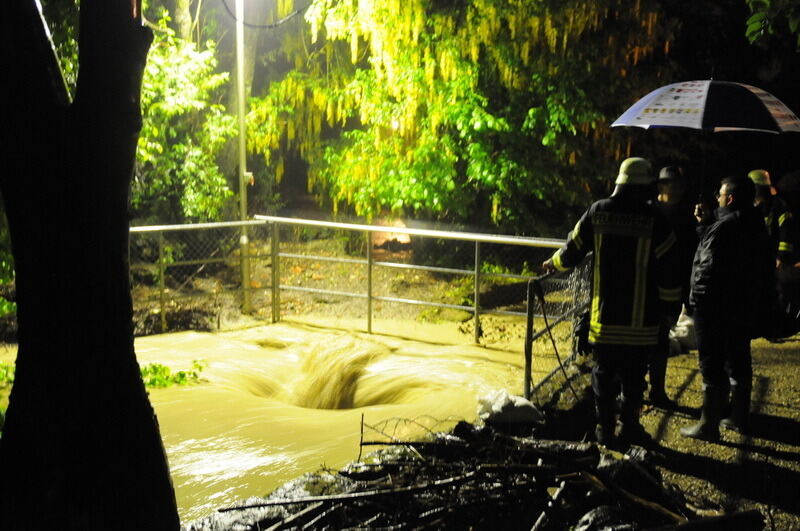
(711, 106)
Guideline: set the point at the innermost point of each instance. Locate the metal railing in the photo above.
(476, 238)
(180, 252)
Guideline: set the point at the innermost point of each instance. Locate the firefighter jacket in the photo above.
(781, 228)
(684, 225)
(733, 269)
(634, 278)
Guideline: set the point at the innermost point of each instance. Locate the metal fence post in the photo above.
(526, 391)
(477, 291)
(276, 276)
(369, 281)
(244, 242)
(162, 282)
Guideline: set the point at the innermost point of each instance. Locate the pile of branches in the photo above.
(480, 478)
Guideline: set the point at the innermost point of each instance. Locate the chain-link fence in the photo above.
(189, 277)
(213, 276)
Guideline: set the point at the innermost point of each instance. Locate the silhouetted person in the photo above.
(788, 271)
(778, 219)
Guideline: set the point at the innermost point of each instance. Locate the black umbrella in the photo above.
(711, 106)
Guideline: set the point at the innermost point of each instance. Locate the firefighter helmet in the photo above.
(760, 177)
(669, 174)
(635, 170)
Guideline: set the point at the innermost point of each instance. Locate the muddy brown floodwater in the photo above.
(285, 399)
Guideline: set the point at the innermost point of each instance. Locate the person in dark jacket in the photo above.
(778, 219)
(732, 275)
(633, 275)
(675, 204)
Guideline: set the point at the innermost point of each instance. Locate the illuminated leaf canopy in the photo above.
(177, 177)
(484, 111)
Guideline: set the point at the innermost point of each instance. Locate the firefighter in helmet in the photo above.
(633, 280)
(781, 227)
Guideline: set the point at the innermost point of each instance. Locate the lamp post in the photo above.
(244, 241)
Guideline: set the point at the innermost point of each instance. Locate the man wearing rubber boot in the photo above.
(732, 276)
(633, 277)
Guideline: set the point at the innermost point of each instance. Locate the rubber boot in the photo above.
(632, 431)
(739, 415)
(606, 419)
(708, 427)
(657, 368)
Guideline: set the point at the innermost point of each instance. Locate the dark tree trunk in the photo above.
(81, 447)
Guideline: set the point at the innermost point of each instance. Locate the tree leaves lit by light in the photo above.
(177, 177)
(400, 102)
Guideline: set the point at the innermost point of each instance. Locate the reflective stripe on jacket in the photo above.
(633, 274)
(781, 227)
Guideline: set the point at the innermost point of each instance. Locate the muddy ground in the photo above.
(760, 470)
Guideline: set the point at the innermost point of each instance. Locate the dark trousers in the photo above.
(660, 352)
(620, 366)
(724, 350)
(788, 286)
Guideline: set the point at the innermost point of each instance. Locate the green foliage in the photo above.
(62, 19)
(773, 17)
(6, 381)
(6, 266)
(177, 175)
(7, 307)
(502, 268)
(484, 111)
(6, 374)
(153, 374)
(157, 375)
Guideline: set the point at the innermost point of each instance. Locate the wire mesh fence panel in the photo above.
(189, 278)
(566, 297)
(259, 266)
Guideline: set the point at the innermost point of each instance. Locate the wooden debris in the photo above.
(480, 478)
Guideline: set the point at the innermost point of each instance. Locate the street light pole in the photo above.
(244, 241)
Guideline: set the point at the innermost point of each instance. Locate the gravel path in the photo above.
(760, 470)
